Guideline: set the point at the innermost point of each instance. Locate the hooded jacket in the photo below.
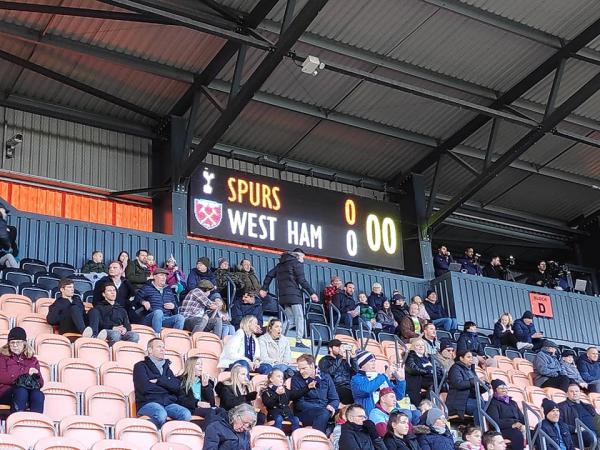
(164, 391)
(220, 436)
(545, 366)
(363, 389)
(250, 280)
(523, 332)
(428, 439)
(467, 341)
(279, 404)
(12, 366)
(289, 274)
(461, 382)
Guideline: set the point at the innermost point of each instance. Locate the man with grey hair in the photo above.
(232, 433)
(376, 297)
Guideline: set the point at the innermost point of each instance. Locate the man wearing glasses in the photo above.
(231, 434)
(359, 433)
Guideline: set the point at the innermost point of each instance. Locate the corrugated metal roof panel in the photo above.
(267, 129)
(405, 111)
(549, 197)
(561, 18)
(9, 71)
(472, 51)
(581, 159)
(358, 151)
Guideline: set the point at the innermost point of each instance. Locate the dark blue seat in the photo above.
(17, 276)
(61, 270)
(46, 280)
(8, 287)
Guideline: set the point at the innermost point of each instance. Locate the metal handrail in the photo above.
(531, 439)
(481, 407)
(437, 402)
(332, 309)
(314, 331)
(580, 427)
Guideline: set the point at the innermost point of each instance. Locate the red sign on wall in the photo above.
(541, 305)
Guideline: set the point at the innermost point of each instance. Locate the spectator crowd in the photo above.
(346, 394)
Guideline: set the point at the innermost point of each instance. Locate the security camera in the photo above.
(311, 64)
(11, 144)
(15, 140)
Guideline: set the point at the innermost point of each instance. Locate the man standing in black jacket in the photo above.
(109, 320)
(359, 433)
(8, 241)
(289, 274)
(156, 387)
(341, 366)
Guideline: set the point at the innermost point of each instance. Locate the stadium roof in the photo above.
(401, 77)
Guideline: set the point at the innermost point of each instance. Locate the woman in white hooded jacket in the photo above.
(243, 348)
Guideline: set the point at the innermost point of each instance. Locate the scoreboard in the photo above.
(239, 207)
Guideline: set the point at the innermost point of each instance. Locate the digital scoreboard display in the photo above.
(239, 207)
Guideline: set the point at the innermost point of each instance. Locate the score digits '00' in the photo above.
(379, 233)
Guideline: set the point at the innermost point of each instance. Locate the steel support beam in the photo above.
(77, 85)
(302, 20)
(217, 64)
(464, 164)
(80, 12)
(176, 17)
(558, 76)
(537, 75)
(77, 116)
(577, 138)
(491, 143)
(288, 15)
(236, 81)
(553, 119)
(434, 188)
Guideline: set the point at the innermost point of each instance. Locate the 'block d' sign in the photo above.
(541, 305)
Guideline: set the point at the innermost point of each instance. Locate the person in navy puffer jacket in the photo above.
(527, 336)
(435, 435)
(160, 303)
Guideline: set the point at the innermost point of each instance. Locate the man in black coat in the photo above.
(109, 320)
(573, 408)
(494, 269)
(341, 366)
(125, 291)
(289, 274)
(247, 305)
(462, 382)
(67, 312)
(506, 413)
(344, 301)
(556, 430)
(156, 387)
(359, 433)
(541, 277)
(8, 241)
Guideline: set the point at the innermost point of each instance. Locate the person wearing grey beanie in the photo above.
(435, 435)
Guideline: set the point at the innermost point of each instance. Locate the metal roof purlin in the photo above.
(77, 85)
(237, 103)
(574, 101)
(534, 77)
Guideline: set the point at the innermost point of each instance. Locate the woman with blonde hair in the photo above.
(243, 348)
(503, 332)
(197, 391)
(237, 389)
(20, 377)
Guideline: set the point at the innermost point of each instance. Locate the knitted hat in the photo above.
(386, 391)
(398, 297)
(446, 343)
(548, 405)
(221, 261)
(432, 415)
(527, 315)
(497, 383)
(204, 260)
(206, 284)
(429, 292)
(363, 357)
(17, 334)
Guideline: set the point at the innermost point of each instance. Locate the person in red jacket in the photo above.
(20, 377)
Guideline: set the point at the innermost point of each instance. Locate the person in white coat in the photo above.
(275, 348)
(243, 348)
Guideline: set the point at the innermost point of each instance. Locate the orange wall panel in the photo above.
(56, 203)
